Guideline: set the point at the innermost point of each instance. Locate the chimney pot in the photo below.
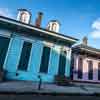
(85, 40)
(39, 19)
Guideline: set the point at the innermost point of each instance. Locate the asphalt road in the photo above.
(46, 97)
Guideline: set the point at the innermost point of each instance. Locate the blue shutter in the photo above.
(13, 54)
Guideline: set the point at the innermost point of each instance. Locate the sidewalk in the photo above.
(31, 87)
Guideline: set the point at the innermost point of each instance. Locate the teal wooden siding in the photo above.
(35, 59)
(68, 61)
(54, 62)
(13, 54)
(32, 72)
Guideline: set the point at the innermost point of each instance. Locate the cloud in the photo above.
(96, 24)
(96, 34)
(96, 29)
(6, 12)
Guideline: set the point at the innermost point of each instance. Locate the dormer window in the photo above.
(24, 16)
(53, 26)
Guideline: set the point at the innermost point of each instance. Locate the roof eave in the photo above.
(11, 23)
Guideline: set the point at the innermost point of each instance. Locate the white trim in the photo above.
(33, 28)
(49, 44)
(91, 51)
(4, 36)
(5, 33)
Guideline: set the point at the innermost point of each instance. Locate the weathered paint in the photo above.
(14, 53)
(27, 33)
(54, 61)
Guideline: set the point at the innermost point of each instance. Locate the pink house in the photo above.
(85, 63)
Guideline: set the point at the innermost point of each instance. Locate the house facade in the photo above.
(85, 63)
(29, 51)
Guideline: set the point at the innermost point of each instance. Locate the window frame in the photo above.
(99, 71)
(90, 70)
(5, 55)
(63, 52)
(80, 67)
(42, 63)
(18, 67)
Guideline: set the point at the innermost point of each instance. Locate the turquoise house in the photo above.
(27, 51)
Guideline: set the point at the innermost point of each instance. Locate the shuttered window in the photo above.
(90, 70)
(25, 54)
(80, 67)
(4, 42)
(98, 71)
(62, 63)
(45, 60)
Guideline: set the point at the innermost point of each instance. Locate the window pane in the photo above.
(62, 63)
(90, 67)
(45, 60)
(4, 42)
(24, 59)
(80, 67)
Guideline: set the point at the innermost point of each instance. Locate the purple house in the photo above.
(85, 63)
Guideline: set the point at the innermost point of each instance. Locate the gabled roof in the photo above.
(31, 30)
(86, 48)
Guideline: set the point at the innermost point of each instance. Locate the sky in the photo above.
(78, 18)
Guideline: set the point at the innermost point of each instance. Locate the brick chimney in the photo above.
(85, 40)
(39, 19)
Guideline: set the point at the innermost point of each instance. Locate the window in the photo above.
(4, 42)
(80, 67)
(25, 17)
(24, 59)
(45, 60)
(62, 63)
(98, 71)
(54, 27)
(90, 70)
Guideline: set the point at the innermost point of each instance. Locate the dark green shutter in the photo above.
(4, 42)
(45, 60)
(98, 71)
(25, 54)
(62, 63)
(90, 71)
(80, 67)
